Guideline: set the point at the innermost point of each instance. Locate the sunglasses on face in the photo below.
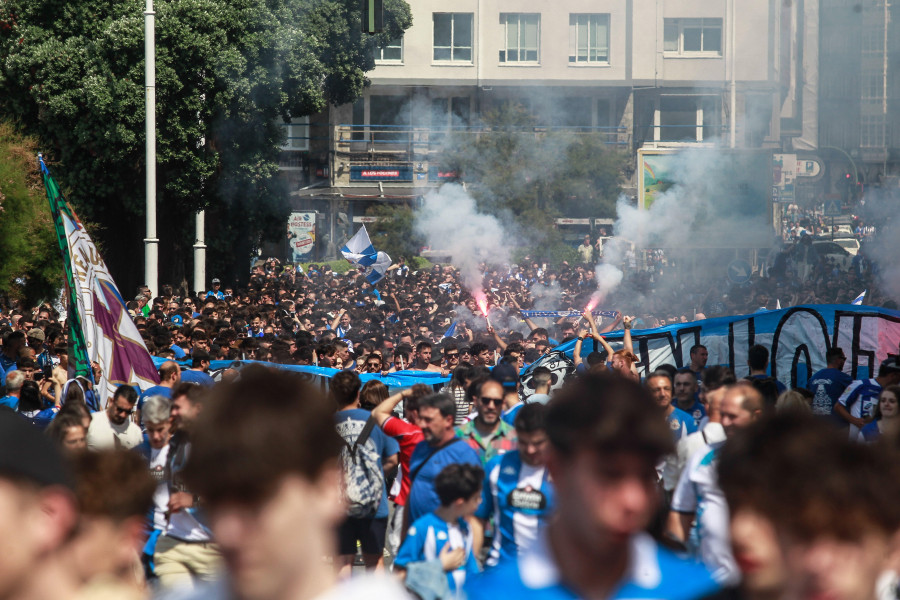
(454, 355)
(373, 365)
(488, 401)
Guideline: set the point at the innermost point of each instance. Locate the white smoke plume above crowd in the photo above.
(715, 200)
(450, 222)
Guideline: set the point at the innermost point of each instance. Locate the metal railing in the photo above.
(404, 139)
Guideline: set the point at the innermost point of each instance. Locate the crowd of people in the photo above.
(263, 483)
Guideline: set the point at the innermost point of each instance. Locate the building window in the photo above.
(872, 131)
(588, 39)
(392, 53)
(693, 37)
(453, 37)
(689, 119)
(521, 38)
(296, 134)
(872, 87)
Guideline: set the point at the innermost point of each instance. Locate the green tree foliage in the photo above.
(535, 174)
(31, 267)
(393, 232)
(228, 71)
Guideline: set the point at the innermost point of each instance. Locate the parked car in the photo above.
(850, 244)
(836, 253)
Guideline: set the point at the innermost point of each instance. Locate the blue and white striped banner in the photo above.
(612, 314)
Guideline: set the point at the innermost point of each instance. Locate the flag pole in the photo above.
(151, 243)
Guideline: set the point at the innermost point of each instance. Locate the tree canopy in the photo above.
(228, 71)
(30, 268)
(519, 170)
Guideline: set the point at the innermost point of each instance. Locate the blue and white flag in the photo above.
(859, 299)
(611, 314)
(360, 251)
(451, 331)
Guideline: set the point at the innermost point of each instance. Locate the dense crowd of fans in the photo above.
(267, 484)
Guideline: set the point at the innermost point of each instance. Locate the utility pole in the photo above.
(199, 252)
(151, 243)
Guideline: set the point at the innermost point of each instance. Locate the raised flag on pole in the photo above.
(100, 328)
(360, 251)
(451, 331)
(859, 299)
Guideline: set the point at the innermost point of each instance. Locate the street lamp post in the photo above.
(151, 243)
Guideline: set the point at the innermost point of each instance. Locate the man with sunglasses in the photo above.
(487, 434)
(372, 363)
(451, 356)
(113, 427)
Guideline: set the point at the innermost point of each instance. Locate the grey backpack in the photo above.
(363, 480)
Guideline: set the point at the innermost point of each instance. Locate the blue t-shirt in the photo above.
(870, 433)
(696, 411)
(156, 390)
(198, 377)
(827, 386)
(10, 401)
(653, 573)
(520, 498)
(178, 350)
(349, 424)
(681, 424)
(422, 497)
(510, 415)
(427, 537)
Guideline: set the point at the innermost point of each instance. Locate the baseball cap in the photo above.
(216, 280)
(26, 453)
(36, 333)
(505, 374)
(889, 365)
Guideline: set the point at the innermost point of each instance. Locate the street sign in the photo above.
(739, 271)
(832, 207)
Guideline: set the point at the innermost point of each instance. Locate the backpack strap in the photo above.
(363, 436)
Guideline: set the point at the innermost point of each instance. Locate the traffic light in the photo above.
(372, 16)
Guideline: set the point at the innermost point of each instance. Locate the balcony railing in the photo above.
(404, 139)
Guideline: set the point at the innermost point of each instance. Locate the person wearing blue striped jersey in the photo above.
(459, 488)
(857, 404)
(517, 491)
(605, 439)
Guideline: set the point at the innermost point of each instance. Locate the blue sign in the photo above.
(739, 271)
(832, 207)
(388, 173)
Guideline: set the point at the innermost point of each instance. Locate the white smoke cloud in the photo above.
(450, 222)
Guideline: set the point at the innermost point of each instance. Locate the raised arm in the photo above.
(527, 320)
(497, 338)
(577, 350)
(384, 411)
(612, 324)
(628, 323)
(337, 319)
(596, 334)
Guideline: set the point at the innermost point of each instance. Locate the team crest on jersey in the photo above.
(509, 470)
(441, 535)
(674, 424)
(698, 414)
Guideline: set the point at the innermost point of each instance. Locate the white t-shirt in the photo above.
(161, 494)
(103, 434)
(698, 492)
